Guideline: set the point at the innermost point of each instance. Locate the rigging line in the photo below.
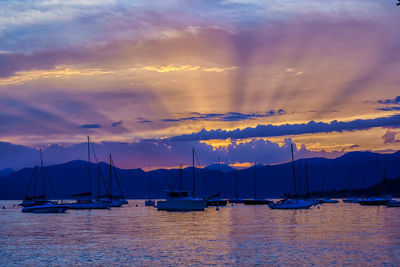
(34, 181)
(100, 172)
(116, 177)
(51, 186)
(42, 173)
(46, 175)
(202, 174)
(30, 182)
(176, 177)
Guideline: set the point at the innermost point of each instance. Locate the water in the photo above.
(337, 234)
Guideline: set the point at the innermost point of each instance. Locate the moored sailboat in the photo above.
(216, 200)
(85, 200)
(292, 203)
(39, 203)
(182, 200)
(149, 202)
(255, 200)
(237, 199)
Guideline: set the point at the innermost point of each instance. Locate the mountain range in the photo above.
(350, 171)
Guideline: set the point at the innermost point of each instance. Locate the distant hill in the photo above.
(6, 172)
(222, 167)
(352, 170)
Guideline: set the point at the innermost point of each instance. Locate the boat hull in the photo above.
(257, 201)
(216, 202)
(35, 203)
(45, 209)
(236, 201)
(291, 205)
(87, 206)
(181, 205)
(327, 200)
(393, 203)
(352, 200)
(374, 202)
(149, 203)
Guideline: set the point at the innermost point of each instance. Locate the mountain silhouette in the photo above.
(350, 171)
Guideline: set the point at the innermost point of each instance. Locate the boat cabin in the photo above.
(178, 194)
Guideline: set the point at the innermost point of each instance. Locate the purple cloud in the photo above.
(90, 126)
(229, 116)
(390, 137)
(290, 129)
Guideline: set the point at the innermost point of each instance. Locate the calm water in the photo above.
(338, 234)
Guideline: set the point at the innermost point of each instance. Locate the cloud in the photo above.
(116, 124)
(395, 100)
(389, 109)
(270, 130)
(59, 72)
(162, 153)
(90, 126)
(229, 116)
(172, 68)
(390, 137)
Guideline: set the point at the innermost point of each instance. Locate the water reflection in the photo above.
(238, 235)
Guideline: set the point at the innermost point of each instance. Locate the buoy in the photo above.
(217, 208)
(137, 205)
(4, 207)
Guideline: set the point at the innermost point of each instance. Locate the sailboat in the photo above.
(216, 200)
(325, 199)
(236, 199)
(351, 199)
(85, 200)
(292, 203)
(148, 201)
(39, 203)
(255, 200)
(182, 200)
(110, 198)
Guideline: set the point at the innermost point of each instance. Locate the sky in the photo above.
(237, 80)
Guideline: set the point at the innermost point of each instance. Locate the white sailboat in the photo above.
(39, 203)
(182, 200)
(292, 203)
(85, 200)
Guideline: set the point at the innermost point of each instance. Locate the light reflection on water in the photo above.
(336, 234)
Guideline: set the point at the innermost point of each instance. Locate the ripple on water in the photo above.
(336, 234)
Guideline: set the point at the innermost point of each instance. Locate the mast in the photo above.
(236, 181)
(194, 179)
(34, 182)
(350, 177)
(364, 176)
(148, 184)
(255, 180)
(110, 176)
(219, 182)
(307, 188)
(42, 172)
(89, 172)
(181, 178)
(294, 173)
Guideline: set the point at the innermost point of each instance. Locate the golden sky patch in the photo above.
(59, 72)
